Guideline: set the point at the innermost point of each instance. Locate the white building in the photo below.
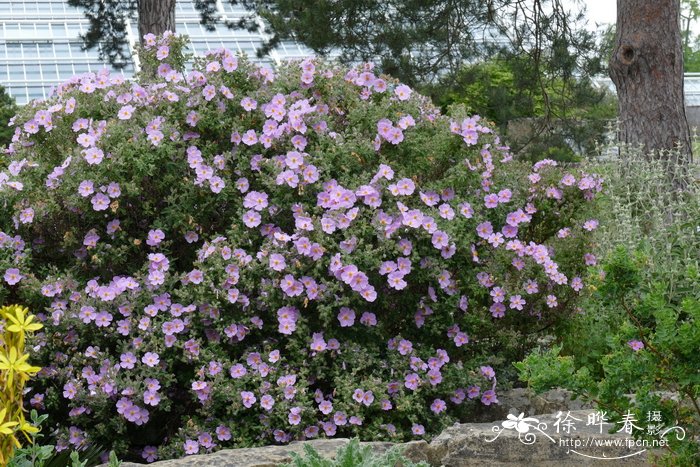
(40, 44)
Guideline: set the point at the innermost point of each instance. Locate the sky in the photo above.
(601, 11)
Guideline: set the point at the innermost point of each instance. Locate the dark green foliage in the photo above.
(36, 454)
(8, 108)
(107, 29)
(566, 114)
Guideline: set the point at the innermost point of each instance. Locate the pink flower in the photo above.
(248, 398)
(484, 230)
(223, 433)
(411, 381)
(267, 402)
(294, 415)
(358, 395)
(251, 219)
(277, 262)
(590, 225)
(150, 359)
(191, 447)
(346, 317)
(150, 453)
(100, 202)
(155, 237)
(405, 347)
(440, 239)
(517, 302)
(163, 52)
(487, 372)
(491, 200)
(255, 200)
(489, 397)
(249, 104)
(12, 276)
(402, 92)
(438, 406)
(405, 186)
(125, 112)
(636, 345)
(576, 284)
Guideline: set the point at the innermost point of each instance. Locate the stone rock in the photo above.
(479, 444)
(515, 401)
(268, 456)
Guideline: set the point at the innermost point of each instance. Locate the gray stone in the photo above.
(478, 444)
(515, 401)
(268, 456)
(474, 444)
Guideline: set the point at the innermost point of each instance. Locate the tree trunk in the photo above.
(156, 17)
(647, 69)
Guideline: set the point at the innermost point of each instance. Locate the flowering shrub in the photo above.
(15, 371)
(235, 255)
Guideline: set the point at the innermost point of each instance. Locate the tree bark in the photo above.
(156, 17)
(647, 69)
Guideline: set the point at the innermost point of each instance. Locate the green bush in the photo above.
(634, 347)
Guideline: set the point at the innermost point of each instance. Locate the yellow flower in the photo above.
(6, 427)
(14, 363)
(28, 429)
(22, 321)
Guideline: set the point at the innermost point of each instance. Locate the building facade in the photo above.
(40, 43)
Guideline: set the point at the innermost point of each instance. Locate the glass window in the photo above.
(49, 71)
(43, 31)
(19, 93)
(3, 72)
(62, 49)
(45, 50)
(30, 51)
(248, 48)
(16, 72)
(73, 30)
(14, 50)
(81, 68)
(12, 31)
(59, 30)
(33, 72)
(35, 92)
(65, 70)
(32, 8)
(76, 49)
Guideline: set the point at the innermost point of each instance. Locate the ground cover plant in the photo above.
(233, 256)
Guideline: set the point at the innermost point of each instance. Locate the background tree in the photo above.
(647, 69)
(503, 90)
(690, 12)
(108, 19)
(417, 41)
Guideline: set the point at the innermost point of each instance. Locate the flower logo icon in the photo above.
(519, 423)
